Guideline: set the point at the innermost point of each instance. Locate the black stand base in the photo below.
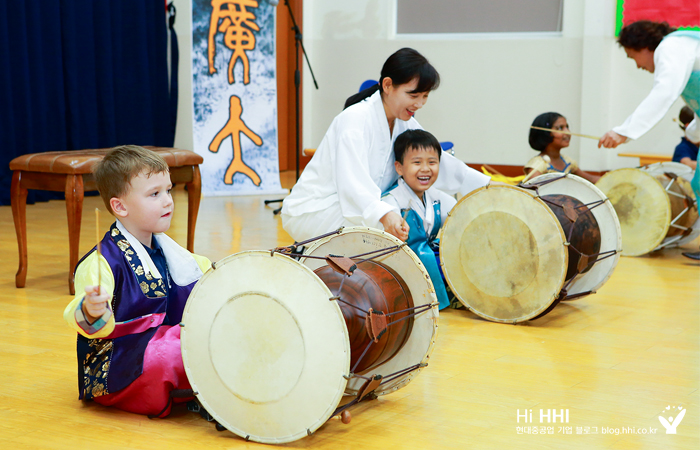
(277, 210)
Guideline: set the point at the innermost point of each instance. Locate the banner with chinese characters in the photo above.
(683, 14)
(234, 90)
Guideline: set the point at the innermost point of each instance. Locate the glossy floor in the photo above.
(614, 360)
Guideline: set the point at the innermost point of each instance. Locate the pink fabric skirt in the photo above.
(163, 372)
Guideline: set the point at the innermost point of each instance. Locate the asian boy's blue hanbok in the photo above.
(424, 217)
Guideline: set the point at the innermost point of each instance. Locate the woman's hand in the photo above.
(611, 140)
(395, 225)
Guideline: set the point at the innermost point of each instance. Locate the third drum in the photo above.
(512, 253)
(655, 204)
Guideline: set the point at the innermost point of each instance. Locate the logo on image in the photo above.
(671, 423)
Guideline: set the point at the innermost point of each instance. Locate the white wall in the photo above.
(492, 86)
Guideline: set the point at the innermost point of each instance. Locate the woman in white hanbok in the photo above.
(354, 164)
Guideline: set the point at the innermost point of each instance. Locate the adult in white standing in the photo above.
(674, 59)
(354, 164)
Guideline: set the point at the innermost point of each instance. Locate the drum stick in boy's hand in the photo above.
(567, 132)
(404, 213)
(99, 250)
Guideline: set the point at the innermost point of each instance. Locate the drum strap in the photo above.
(584, 263)
(371, 384)
(376, 324)
(341, 264)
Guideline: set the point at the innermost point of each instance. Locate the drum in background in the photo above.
(656, 208)
(685, 172)
(505, 250)
(669, 166)
(270, 348)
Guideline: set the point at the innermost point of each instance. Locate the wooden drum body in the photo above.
(510, 254)
(270, 347)
(403, 265)
(655, 206)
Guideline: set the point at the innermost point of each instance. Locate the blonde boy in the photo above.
(128, 333)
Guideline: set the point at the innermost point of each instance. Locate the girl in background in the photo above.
(550, 144)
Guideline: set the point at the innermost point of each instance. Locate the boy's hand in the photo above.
(395, 225)
(94, 303)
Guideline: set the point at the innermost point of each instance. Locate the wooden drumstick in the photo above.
(527, 177)
(99, 250)
(492, 170)
(567, 132)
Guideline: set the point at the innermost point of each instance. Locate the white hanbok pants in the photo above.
(315, 223)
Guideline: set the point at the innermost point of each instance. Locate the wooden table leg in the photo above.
(194, 195)
(18, 195)
(74, 209)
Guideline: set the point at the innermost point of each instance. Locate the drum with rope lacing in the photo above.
(511, 254)
(273, 340)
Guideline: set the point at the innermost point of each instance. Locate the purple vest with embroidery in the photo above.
(140, 305)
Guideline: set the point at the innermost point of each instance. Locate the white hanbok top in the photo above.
(351, 168)
(403, 197)
(675, 59)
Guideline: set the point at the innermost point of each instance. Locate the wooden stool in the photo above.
(70, 172)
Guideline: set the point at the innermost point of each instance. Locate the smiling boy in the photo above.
(417, 162)
(128, 323)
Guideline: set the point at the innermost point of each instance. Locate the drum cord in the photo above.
(372, 383)
(584, 259)
(376, 253)
(690, 203)
(292, 248)
(416, 310)
(375, 381)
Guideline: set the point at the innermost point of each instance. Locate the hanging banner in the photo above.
(683, 14)
(234, 87)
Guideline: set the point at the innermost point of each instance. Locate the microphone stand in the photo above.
(298, 42)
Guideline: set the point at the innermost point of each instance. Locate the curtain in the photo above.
(81, 74)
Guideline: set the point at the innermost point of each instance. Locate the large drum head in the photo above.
(642, 207)
(264, 348)
(610, 234)
(503, 254)
(416, 350)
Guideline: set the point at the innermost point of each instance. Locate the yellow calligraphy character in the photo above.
(231, 18)
(233, 128)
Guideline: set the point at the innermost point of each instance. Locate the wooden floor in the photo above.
(614, 360)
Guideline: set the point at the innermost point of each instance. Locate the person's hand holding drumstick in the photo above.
(395, 225)
(611, 140)
(95, 304)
